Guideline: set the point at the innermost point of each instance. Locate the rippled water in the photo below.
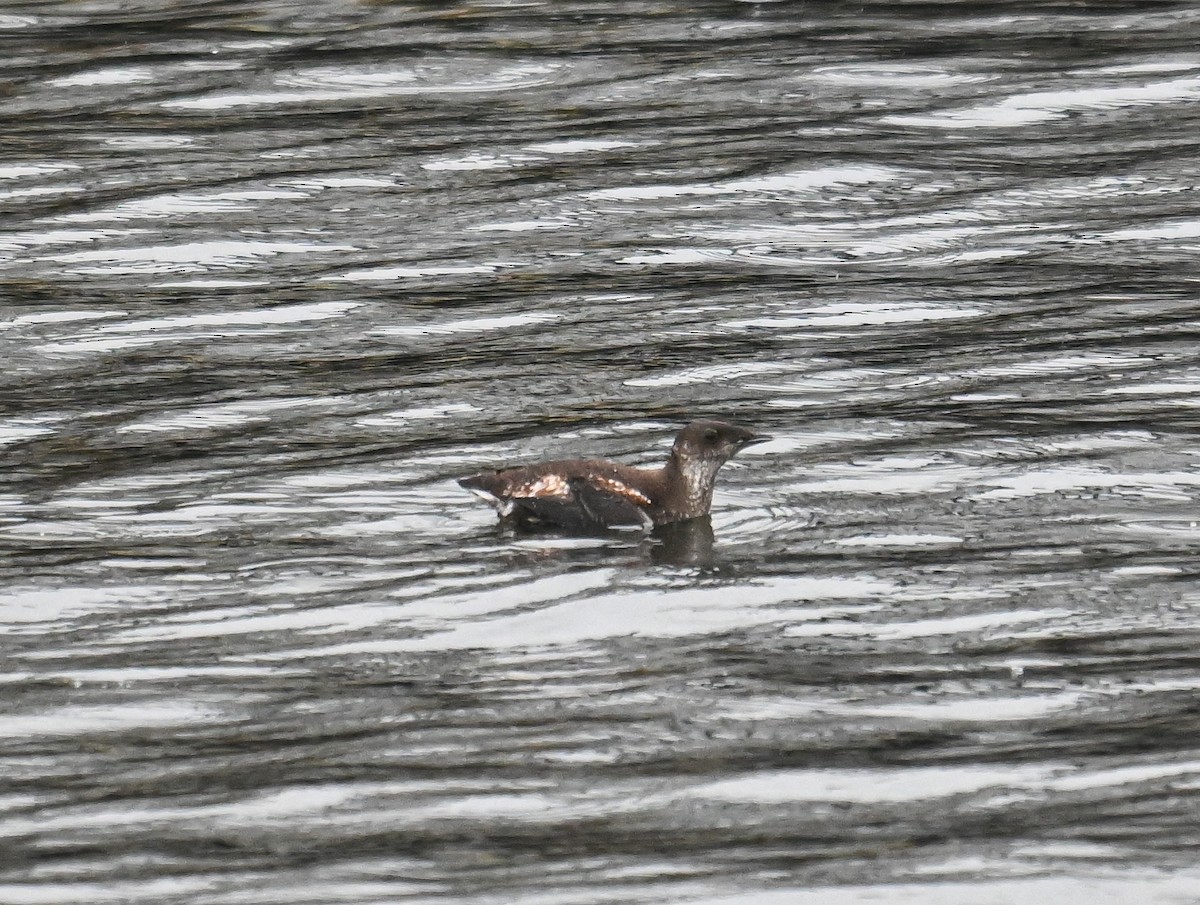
(274, 274)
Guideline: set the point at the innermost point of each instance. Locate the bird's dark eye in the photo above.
(711, 435)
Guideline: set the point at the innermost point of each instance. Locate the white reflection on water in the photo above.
(217, 417)
(324, 84)
(70, 721)
(665, 614)
(23, 170)
(1166, 486)
(419, 270)
(1043, 106)
(207, 323)
(899, 74)
(48, 605)
(186, 257)
(116, 75)
(1111, 887)
(860, 314)
(871, 786)
(428, 326)
(798, 181)
(183, 204)
(930, 628)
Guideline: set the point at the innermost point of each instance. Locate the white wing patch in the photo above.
(546, 485)
(612, 485)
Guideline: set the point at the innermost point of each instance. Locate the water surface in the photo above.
(274, 274)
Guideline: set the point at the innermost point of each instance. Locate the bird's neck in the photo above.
(696, 477)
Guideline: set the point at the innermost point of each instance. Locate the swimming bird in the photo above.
(590, 494)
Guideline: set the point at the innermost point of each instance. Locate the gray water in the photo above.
(273, 274)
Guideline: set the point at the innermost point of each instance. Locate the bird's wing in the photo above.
(611, 502)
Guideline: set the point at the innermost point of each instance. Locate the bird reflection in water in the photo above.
(686, 543)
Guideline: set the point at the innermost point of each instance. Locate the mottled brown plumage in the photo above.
(586, 494)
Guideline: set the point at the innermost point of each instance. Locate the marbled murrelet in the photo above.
(585, 494)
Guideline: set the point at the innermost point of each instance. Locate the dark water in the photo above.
(273, 274)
